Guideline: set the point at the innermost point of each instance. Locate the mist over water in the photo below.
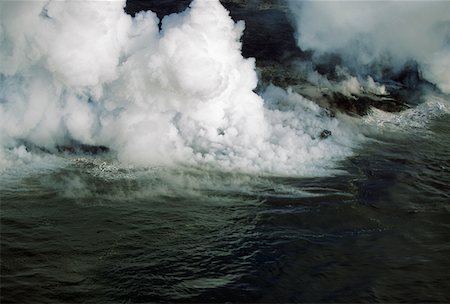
(378, 38)
(143, 158)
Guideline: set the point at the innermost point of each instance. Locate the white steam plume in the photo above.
(373, 35)
(86, 71)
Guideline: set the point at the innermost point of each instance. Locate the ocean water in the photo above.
(92, 231)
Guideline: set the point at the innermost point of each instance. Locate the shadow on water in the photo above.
(92, 232)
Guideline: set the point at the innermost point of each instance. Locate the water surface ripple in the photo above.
(90, 232)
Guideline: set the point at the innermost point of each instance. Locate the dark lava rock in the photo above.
(268, 33)
(269, 37)
(78, 148)
(325, 134)
(160, 7)
(361, 104)
(71, 147)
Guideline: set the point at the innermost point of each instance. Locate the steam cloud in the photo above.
(374, 36)
(86, 71)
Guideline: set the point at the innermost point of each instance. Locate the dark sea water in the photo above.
(92, 232)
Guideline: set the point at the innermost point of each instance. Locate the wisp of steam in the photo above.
(377, 38)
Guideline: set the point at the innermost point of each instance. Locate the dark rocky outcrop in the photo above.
(70, 147)
(75, 148)
(269, 38)
(325, 134)
(160, 7)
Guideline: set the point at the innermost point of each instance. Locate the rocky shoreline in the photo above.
(269, 37)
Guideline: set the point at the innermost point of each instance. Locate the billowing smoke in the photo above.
(379, 37)
(85, 71)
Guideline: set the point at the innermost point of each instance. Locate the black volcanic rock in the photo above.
(268, 34)
(269, 37)
(160, 7)
(325, 134)
(77, 148)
